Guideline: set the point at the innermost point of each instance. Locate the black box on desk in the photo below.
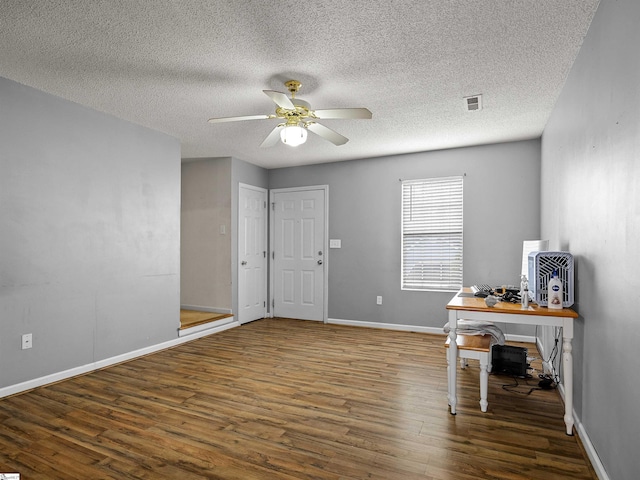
(509, 360)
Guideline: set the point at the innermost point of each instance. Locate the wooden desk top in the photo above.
(476, 304)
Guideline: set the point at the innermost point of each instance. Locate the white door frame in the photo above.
(325, 246)
(245, 186)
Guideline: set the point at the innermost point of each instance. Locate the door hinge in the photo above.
(265, 204)
(273, 255)
(264, 254)
(273, 206)
(264, 304)
(273, 304)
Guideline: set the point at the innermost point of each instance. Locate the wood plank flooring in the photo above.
(287, 399)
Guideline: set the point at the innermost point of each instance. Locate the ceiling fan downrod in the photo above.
(293, 86)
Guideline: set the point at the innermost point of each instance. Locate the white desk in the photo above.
(474, 308)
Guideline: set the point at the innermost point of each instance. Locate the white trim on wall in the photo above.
(386, 326)
(596, 463)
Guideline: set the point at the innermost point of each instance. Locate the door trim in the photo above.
(325, 245)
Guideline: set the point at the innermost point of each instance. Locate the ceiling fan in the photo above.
(298, 117)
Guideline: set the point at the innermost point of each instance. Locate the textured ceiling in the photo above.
(171, 65)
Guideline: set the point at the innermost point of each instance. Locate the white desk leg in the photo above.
(567, 364)
(452, 364)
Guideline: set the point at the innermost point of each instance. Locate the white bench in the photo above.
(475, 347)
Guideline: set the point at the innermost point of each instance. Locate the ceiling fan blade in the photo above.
(343, 113)
(273, 138)
(327, 133)
(281, 99)
(237, 119)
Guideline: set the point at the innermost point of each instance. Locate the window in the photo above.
(432, 234)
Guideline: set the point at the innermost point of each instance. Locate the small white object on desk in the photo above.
(524, 292)
(490, 301)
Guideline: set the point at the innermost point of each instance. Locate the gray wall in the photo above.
(89, 235)
(205, 252)
(501, 209)
(591, 206)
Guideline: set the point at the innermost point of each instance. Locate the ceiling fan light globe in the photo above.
(293, 135)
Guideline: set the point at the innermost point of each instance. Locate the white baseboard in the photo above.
(596, 463)
(520, 338)
(387, 326)
(72, 372)
(415, 328)
(200, 308)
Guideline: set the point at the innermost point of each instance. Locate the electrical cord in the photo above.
(545, 383)
(511, 387)
(553, 355)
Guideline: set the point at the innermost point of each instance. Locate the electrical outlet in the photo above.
(27, 341)
(379, 300)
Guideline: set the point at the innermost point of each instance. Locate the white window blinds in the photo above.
(432, 234)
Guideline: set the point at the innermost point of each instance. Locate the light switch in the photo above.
(335, 243)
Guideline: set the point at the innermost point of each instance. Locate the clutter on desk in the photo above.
(510, 297)
(505, 293)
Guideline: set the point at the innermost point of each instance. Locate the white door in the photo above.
(299, 257)
(252, 253)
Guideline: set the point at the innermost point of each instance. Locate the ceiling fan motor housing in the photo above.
(293, 117)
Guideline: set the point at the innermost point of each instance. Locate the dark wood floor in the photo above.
(287, 399)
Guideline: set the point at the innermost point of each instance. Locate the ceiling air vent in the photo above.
(471, 104)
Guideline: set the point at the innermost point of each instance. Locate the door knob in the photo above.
(319, 262)
(244, 262)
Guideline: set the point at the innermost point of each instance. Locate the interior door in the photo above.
(252, 253)
(299, 257)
